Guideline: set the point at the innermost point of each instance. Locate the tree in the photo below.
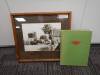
(48, 30)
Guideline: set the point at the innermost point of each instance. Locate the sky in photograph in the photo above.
(37, 27)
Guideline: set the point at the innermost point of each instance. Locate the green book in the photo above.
(75, 47)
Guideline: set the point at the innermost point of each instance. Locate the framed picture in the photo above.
(37, 35)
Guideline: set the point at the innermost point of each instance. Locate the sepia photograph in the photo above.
(41, 36)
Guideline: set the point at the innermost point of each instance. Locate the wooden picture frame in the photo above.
(27, 23)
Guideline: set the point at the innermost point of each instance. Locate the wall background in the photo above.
(85, 14)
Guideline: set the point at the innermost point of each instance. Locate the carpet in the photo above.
(9, 65)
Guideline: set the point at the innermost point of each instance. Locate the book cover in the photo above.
(75, 47)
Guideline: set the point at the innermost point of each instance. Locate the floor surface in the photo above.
(9, 65)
